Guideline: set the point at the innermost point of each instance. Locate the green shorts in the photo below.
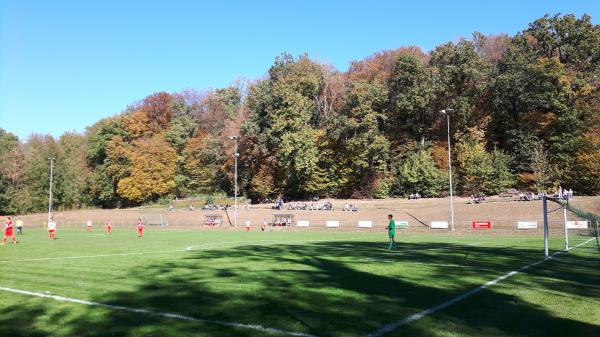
(391, 234)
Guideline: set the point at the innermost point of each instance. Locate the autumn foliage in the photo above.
(526, 115)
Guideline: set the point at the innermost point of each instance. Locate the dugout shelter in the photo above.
(282, 220)
(212, 220)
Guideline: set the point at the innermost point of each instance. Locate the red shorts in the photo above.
(109, 228)
(8, 232)
(51, 230)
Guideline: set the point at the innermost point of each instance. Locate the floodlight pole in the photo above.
(566, 229)
(50, 192)
(235, 188)
(447, 112)
(545, 206)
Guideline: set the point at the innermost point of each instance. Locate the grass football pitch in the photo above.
(233, 283)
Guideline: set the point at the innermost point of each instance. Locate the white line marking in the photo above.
(268, 242)
(401, 251)
(90, 256)
(196, 247)
(394, 325)
(256, 327)
(379, 259)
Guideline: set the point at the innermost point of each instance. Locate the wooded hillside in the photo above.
(526, 115)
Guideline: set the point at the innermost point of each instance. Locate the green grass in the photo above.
(321, 283)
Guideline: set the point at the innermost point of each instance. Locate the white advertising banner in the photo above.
(365, 224)
(401, 224)
(439, 224)
(332, 223)
(303, 223)
(527, 225)
(577, 224)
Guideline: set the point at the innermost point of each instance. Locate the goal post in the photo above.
(160, 220)
(576, 223)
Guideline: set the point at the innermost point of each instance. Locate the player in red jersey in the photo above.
(8, 231)
(108, 227)
(140, 227)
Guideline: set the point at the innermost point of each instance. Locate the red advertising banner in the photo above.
(481, 225)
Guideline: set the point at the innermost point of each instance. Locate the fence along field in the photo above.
(503, 214)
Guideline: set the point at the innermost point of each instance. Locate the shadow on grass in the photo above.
(16, 321)
(339, 289)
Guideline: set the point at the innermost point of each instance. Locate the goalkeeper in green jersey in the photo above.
(391, 227)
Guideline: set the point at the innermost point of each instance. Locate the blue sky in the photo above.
(66, 64)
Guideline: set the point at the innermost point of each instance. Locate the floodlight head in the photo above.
(449, 111)
(234, 137)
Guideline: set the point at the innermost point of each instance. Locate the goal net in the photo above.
(155, 220)
(575, 227)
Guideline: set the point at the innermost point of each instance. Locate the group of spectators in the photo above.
(350, 208)
(326, 206)
(414, 196)
(214, 207)
(563, 193)
(560, 193)
(477, 198)
(278, 205)
(296, 206)
(314, 206)
(529, 196)
(209, 207)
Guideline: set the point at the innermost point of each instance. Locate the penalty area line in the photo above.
(206, 246)
(394, 325)
(90, 256)
(256, 327)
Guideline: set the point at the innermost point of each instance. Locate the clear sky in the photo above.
(66, 64)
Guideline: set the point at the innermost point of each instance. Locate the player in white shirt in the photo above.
(52, 228)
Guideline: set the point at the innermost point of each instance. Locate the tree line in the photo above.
(526, 115)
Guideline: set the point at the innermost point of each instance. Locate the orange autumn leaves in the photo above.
(149, 170)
